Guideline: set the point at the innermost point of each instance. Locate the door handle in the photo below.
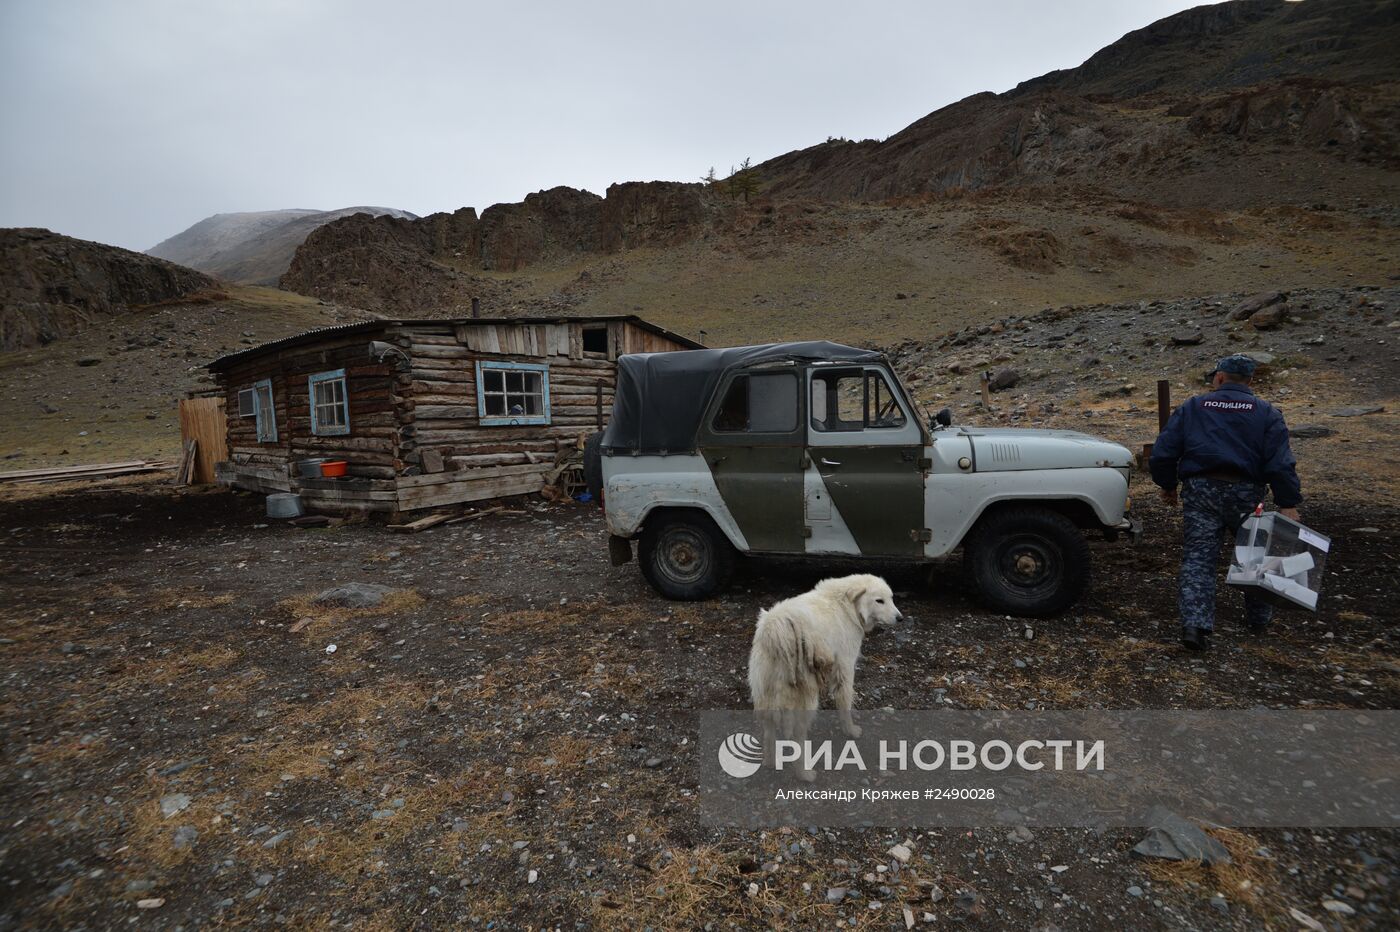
(827, 462)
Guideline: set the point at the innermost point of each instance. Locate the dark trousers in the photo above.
(1211, 508)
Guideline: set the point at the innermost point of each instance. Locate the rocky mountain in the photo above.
(53, 286)
(409, 266)
(1250, 105)
(1181, 113)
(1238, 44)
(254, 247)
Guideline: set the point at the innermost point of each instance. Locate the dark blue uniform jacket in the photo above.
(1228, 429)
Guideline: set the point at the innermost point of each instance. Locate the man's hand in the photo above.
(1291, 514)
(1169, 496)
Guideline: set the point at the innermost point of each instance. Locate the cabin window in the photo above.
(330, 404)
(247, 403)
(595, 339)
(764, 403)
(510, 393)
(265, 411)
(854, 399)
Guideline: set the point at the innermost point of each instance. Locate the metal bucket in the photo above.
(284, 505)
(310, 469)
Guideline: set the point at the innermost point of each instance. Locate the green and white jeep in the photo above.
(816, 449)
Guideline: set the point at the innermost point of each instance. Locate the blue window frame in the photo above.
(265, 411)
(330, 403)
(509, 393)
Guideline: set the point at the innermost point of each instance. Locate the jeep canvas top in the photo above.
(815, 448)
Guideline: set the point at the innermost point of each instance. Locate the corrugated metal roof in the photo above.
(366, 326)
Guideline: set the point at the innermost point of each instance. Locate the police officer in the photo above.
(1223, 447)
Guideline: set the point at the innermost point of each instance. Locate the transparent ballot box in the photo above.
(1279, 560)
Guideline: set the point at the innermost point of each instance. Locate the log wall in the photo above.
(416, 440)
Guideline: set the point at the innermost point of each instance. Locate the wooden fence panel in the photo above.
(203, 420)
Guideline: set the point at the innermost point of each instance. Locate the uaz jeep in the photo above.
(816, 448)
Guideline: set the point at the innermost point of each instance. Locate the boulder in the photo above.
(1268, 318)
(1003, 379)
(1187, 339)
(1173, 838)
(354, 595)
(1251, 305)
(1310, 431)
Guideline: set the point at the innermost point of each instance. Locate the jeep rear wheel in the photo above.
(1027, 561)
(685, 556)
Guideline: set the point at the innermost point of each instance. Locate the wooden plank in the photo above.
(354, 507)
(52, 471)
(253, 478)
(422, 524)
(312, 497)
(186, 467)
(457, 492)
(355, 484)
(471, 475)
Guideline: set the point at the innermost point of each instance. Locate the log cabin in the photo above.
(426, 413)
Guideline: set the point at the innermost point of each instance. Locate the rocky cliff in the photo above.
(427, 265)
(52, 286)
(1052, 137)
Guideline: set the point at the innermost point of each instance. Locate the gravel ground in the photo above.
(507, 739)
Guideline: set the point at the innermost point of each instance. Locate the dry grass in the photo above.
(148, 833)
(1250, 880)
(183, 599)
(703, 884)
(327, 619)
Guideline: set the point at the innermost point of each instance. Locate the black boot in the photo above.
(1195, 638)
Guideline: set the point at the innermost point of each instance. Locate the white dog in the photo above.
(808, 645)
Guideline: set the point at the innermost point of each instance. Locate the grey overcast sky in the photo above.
(127, 121)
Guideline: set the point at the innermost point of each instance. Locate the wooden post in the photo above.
(598, 403)
(1164, 403)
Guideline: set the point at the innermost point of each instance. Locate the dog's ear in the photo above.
(856, 596)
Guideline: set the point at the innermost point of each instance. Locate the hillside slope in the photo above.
(1245, 42)
(111, 391)
(1227, 105)
(253, 247)
(52, 286)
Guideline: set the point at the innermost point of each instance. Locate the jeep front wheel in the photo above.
(685, 556)
(1027, 561)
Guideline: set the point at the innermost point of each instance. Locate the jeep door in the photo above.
(752, 438)
(864, 488)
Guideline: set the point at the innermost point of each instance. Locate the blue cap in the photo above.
(1238, 364)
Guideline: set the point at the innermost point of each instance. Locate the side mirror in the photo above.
(944, 418)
